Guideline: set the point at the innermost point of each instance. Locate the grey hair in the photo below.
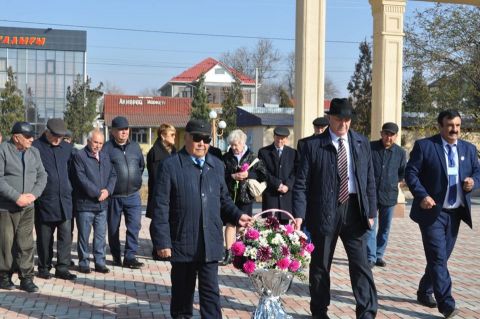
(237, 136)
(94, 131)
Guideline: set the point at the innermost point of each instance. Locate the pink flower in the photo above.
(252, 234)
(289, 229)
(309, 247)
(294, 265)
(249, 267)
(244, 167)
(238, 248)
(285, 251)
(283, 263)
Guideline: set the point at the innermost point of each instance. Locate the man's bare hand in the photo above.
(468, 184)
(25, 200)
(245, 220)
(427, 203)
(298, 223)
(103, 195)
(371, 221)
(164, 253)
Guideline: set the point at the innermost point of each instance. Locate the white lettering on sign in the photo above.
(156, 102)
(130, 102)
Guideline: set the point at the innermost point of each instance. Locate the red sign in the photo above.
(26, 40)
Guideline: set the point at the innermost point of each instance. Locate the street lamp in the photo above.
(216, 122)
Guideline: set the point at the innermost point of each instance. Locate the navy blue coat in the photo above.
(55, 204)
(317, 183)
(426, 175)
(187, 205)
(89, 178)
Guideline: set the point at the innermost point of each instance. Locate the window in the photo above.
(139, 135)
(219, 71)
(50, 66)
(3, 64)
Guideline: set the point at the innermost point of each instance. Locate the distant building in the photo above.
(218, 77)
(45, 63)
(145, 114)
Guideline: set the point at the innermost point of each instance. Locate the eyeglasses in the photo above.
(198, 137)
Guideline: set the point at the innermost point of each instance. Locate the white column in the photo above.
(309, 64)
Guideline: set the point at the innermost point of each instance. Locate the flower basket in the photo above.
(271, 255)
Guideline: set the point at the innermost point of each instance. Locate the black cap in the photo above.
(341, 108)
(390, 127)
(198, 127)
(120, 122)
(24, 128)
(281, 131)
(320, 121)
(68, 133)
(57, 126)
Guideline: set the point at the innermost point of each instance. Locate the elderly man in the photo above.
(94, 181)
(22, 180)
(441, 173)
(389, 162)
(335, 194)
(320, 124)
(281, 162)
(190, 192)
(53, 210)
(128, 162)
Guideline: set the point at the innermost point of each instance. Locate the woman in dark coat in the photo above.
(163, 147)
(237, 161)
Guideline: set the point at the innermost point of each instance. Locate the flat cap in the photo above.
(24, 128)
(120, 122)
(320, 121)
(69, 133)
(390, 127)
(57, 126)
(281, 131)
(198, 127)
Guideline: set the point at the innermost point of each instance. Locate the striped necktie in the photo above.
(342, 171)
(452, 179)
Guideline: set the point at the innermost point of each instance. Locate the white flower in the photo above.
(294, 238)
(262, 241)
(250, 252)
(278, 240)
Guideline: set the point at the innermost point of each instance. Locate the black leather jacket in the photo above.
(129, 164)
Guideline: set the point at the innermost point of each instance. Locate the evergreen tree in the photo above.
(200, 108)
(285, 100)
(11, 104)
(360, 88)
(417, 94)
(81, 107)
(233, 98)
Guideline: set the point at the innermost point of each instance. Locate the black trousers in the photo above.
(351, 229)
(45, 231)
(184, 276)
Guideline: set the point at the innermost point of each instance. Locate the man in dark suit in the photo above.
(320, 124)
(190, 192)
(335, 194)
(441, 174)
(281, 162)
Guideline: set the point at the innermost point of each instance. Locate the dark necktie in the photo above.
(342, 171)
(452, 178)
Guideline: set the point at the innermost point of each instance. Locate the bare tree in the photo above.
(149, 92)
(111, 88)
(290, 76)
(331, 90)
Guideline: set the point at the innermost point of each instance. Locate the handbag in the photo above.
(255, 187)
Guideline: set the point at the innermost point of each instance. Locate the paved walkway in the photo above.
(144, 293)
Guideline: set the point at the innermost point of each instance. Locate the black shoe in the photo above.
(28, 285)
(227, 260)
(84, 270)
(380, 263)
(132, 263)
(371, 264)
(102, 269)
(426, 300)
(6, 283)
(450, 313)
(117, 261)
(44, 274)
(66, 275)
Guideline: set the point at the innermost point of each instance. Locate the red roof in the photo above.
(147, 111)
(192, 74)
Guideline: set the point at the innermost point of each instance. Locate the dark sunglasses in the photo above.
(198, 137)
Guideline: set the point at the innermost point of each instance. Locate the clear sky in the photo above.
(134, 61)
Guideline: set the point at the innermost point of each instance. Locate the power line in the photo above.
(217, 35)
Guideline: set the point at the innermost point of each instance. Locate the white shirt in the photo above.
(352, 187)
(452, 171)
